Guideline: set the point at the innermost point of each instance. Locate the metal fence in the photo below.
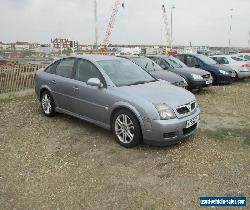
(16, 77)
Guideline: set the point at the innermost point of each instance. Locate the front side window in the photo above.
(178, 62)
(181, 57)
(223, 60)
(65, 67)
(86, 70)
(51, 69)
(123, 72)
(174, 63)
(147, 64)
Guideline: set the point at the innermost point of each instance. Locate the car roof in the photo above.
(95, 58)
(130, 56)
(159, 56)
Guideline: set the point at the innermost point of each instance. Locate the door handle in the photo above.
(53, 82)
(75, 88)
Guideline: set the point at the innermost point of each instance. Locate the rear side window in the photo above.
(86, 70)
(65, 67)
(191, 61)
(247, 57)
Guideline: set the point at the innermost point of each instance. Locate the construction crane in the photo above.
(165, 19)
(117, 4)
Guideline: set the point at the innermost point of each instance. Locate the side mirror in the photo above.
(95, 82)
(164, 67)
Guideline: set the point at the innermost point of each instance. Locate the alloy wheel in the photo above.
(46, 104)
(124, 129)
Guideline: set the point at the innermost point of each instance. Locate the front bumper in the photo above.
(196, 84)
(167, 132)
(225, 79)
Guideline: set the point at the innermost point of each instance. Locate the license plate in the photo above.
(208, 82)
(193, 121)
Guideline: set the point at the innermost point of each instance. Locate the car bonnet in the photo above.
(160, 92)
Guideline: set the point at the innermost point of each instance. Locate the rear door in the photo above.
(91, 102)
(63, 85)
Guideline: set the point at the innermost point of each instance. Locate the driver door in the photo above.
(90, 101)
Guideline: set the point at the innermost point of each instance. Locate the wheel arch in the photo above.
(42, 89)
(131, 109)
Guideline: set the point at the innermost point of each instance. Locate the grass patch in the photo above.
(223, 135)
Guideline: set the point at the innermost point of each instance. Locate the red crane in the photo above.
(117, 4)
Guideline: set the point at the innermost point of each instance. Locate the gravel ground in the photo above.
(64, 163)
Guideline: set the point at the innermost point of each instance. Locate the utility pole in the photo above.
(230, 28)
(96, 24)
(173, 7)
(249, 39)
(166, 24)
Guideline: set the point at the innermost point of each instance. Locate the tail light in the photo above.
(247, 65)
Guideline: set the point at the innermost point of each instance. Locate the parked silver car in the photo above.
(118, 95)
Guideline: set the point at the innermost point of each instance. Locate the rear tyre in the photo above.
(126, 128)
(48, 104)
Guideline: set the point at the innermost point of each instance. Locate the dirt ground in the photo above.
(64, 163)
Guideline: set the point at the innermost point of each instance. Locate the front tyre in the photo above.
(215, 82)
(47, 104)
(126, 128)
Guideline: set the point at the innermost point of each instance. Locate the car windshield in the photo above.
(123, 72)
(206, 59)
(176, 62)
(146, 63)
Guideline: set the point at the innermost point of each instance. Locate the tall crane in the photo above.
(117, 4)
(165, 19)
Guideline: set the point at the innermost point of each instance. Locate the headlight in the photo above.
(223, 72)
(197, 77)
(165, 111)
(185, 82)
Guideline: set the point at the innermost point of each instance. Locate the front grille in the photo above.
(186, 108)
(169, 135)
(207, 76)
(193, 105)
(187, 131)
(182, 110)
(179, 84)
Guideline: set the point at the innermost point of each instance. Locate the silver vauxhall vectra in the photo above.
(118, 95)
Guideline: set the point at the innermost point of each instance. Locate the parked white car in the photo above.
(240, 65)
(245, 56)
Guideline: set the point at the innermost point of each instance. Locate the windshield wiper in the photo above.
(138, 83)
(142, 82)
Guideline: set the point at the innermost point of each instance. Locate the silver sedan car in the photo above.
(116, 94)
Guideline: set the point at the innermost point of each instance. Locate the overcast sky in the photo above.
(204, 22)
